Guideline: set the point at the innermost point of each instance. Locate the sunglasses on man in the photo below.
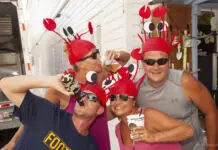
(93, 55)
(91, 96)
(160, 62)
(122, 97)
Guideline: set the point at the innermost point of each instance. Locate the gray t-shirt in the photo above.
(171, 100)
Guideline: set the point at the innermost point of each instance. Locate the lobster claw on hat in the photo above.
(49, 24)
(145, 12)
(90, 28)
(136, 54)
(159, 11)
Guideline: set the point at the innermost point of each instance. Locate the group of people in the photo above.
(168, 99)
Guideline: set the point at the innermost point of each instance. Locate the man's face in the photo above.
(91, 108)
(156, 73)
(92, 61)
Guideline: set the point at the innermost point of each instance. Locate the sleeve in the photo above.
(16, 111)
(33, 109)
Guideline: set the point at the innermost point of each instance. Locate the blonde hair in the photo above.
(65, 50)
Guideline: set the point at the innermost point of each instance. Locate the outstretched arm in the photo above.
(201, 97)
(162, 128)
(15, 88)
(51, 95)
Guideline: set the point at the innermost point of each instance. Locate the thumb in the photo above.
(62, 89)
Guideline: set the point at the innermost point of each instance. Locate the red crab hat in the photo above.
(77, 48)
(95, 88)
(159, 43)
(124, 86)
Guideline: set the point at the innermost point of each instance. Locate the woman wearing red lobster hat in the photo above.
(155, 130)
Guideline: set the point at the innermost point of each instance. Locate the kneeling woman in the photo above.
(160, 132)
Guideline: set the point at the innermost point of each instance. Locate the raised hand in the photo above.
(111, 54)
(142, 134)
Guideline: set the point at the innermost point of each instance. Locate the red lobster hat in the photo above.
(124, 86)
(95, 88)
(154, 43)
(77, 48)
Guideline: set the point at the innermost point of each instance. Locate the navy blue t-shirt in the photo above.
(46, 127)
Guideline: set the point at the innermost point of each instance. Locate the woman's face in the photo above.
(122, 108)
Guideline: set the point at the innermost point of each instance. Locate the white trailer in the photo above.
(12, 61)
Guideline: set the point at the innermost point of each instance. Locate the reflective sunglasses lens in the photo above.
(149, 62)
(92, 97)
(124, 97)
(162, 61)
(113, 97)
(82, 94)
(95, 54)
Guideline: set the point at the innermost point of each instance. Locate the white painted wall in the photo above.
(116, 24)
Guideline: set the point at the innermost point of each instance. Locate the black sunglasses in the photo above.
(151, 62)
(93, 55)
(90, 96)
(123, 97)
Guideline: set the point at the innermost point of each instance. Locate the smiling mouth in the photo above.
(156, 73)
(118, 108)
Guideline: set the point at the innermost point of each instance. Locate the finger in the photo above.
(71, 93)
(64, 92)
(137, 133)
(117, 55)
(106, 52)
(136, 136)
(138, 139)
(112, 55)
(61, 88)
(59, 77)
(109, 54)
(139, 129)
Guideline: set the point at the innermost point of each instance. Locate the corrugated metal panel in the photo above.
(8, 58)
(5, 26)
(6, 33)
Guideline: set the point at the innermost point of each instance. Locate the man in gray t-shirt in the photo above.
(176, 93)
